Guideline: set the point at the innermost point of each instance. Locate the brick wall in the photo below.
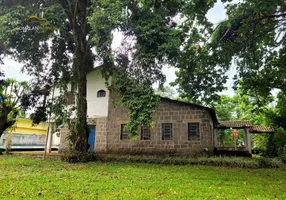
(177, 113)
(108, 131)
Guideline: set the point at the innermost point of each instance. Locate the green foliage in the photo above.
(260, 144)
(243, 107)
(249, 42)
(283, 157)
(53, 51)
(274, 144)
(149, 41)
(270, 144)
(11, 92)
(225, 108)
(140, 101)
(225, 138)
(277, 115)
(266, 162)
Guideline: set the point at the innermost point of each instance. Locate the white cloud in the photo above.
(217, 13)
(12, 69)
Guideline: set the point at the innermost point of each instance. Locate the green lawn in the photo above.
(37, 179)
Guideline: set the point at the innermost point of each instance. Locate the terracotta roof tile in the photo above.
(243, 124)
(234, 124)
(261, 129)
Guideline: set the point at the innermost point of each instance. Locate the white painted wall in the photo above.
(96, 106)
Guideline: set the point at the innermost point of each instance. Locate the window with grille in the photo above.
(101, 93)
(167, 131)
(194, 131)
(145, 132)
(124, 134)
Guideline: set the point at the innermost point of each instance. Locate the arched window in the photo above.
(101, 93)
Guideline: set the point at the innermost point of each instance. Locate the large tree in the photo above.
(69, 35)
(55, 48)
(250, 42)
(11, 92)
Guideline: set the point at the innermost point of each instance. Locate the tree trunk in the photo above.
(77, 15)
(81, 128)
(3, 120)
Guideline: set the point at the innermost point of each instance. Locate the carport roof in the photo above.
(244, 124)
(233, 124)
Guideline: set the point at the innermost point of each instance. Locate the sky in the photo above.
(12, 69)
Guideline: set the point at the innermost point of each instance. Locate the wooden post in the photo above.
(215, 138)
(247, 140)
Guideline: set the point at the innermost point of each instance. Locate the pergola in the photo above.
(248, 130)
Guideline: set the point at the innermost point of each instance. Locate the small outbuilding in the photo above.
(240, 135)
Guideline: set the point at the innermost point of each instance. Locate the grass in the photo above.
(33, 178)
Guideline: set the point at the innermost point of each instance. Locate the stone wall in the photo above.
(177, 113)
(64, 132)
(101, 135)
(100, 144)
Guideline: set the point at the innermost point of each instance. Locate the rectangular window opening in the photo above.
(124, 133)
(145, 132)
(167, 131)
(194, 131)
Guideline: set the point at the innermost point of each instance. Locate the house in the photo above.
(24, 135)
(180, 128)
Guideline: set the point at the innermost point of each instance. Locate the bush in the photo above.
(265, 162)
(271, 145)
(283, 158)
(211, 161)
(75, 157)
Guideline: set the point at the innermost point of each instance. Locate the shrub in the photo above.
(265, 162)
(283, 158)
(211, 161)
(74, 157)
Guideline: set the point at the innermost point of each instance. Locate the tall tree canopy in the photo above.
(52, 39)
(242, 107)
(252, 38)
(59, 42)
